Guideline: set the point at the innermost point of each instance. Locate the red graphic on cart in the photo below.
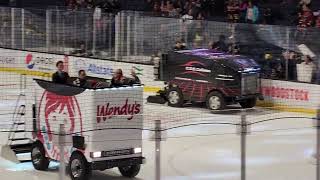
(54, 110)
(195, 68)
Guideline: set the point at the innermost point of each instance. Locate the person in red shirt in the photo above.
(318, 21)
(305, 18)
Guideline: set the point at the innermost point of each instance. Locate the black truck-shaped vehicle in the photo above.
(209, 76)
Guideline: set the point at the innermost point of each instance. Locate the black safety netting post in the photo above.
(243, 130)
(318, 145)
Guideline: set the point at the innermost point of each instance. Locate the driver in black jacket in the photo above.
(60, 77)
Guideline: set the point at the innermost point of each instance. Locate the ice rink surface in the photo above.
(280, 147)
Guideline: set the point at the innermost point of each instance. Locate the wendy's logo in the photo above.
(195, 68)
(107, 111)
(54, 110)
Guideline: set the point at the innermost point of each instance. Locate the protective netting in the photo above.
(33, 41)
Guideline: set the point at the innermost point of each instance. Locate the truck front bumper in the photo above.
(241, 98)
(108, 164)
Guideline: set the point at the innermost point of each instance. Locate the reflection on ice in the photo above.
(26, 166)
(206, 175)
(287, 141)
(295, 132)
(255, 161)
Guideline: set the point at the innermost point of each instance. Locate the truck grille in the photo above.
(117, 152)
(249, 84)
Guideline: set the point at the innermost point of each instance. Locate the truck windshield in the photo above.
(247, 64)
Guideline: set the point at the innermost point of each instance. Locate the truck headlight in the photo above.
(137, 150)
(96, 154)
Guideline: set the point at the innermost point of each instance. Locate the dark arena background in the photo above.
(160, 89)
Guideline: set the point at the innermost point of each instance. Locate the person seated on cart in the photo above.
(81, 81)
(118, 79)
(60, 77)
(134, 78)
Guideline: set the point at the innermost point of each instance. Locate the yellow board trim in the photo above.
(286, 108)
(26, 72)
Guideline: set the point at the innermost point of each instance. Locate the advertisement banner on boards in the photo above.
(105, 68)
(10, 58)
(31, 61)
(43, 62)
(295, 94)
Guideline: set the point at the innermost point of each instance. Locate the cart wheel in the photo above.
(130, 171)
(215, 101)
(249, 103)
(175, 97)
(38, 157)
(79, 167)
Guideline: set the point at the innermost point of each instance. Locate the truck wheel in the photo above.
(215, 101)
(130, 171)
(38, 157)
(79, 167)
(249, 103)
(175, 97)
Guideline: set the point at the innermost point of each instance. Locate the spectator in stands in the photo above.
(81, 81)
(234, 48)
(71, 4)
(82, 51)
(81, 4)
(252, 14)
(221, 45)
(180, 45)
(267, 16)
(200, 16)
(307, 61)
(149, 4)
(90, 4)
(292, 66)
(233, 11)
(60, 77)
(243, 10)
(188, 16)
(172, 11)
(196, 6)
(305, 18)
(118, 79)
(304, 2)
(164, 6)
(197, 41)
(156, 7)
(318, 21)
(308, 65)
(134, 78)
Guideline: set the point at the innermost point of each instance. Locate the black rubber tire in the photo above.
(249, 103)
(179, 93)
(43, 164)
(86, 169)
(130, 171)
(221, 99)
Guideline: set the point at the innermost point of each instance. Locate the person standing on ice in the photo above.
(60, 77)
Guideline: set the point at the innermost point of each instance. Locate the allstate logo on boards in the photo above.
(81, 64)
